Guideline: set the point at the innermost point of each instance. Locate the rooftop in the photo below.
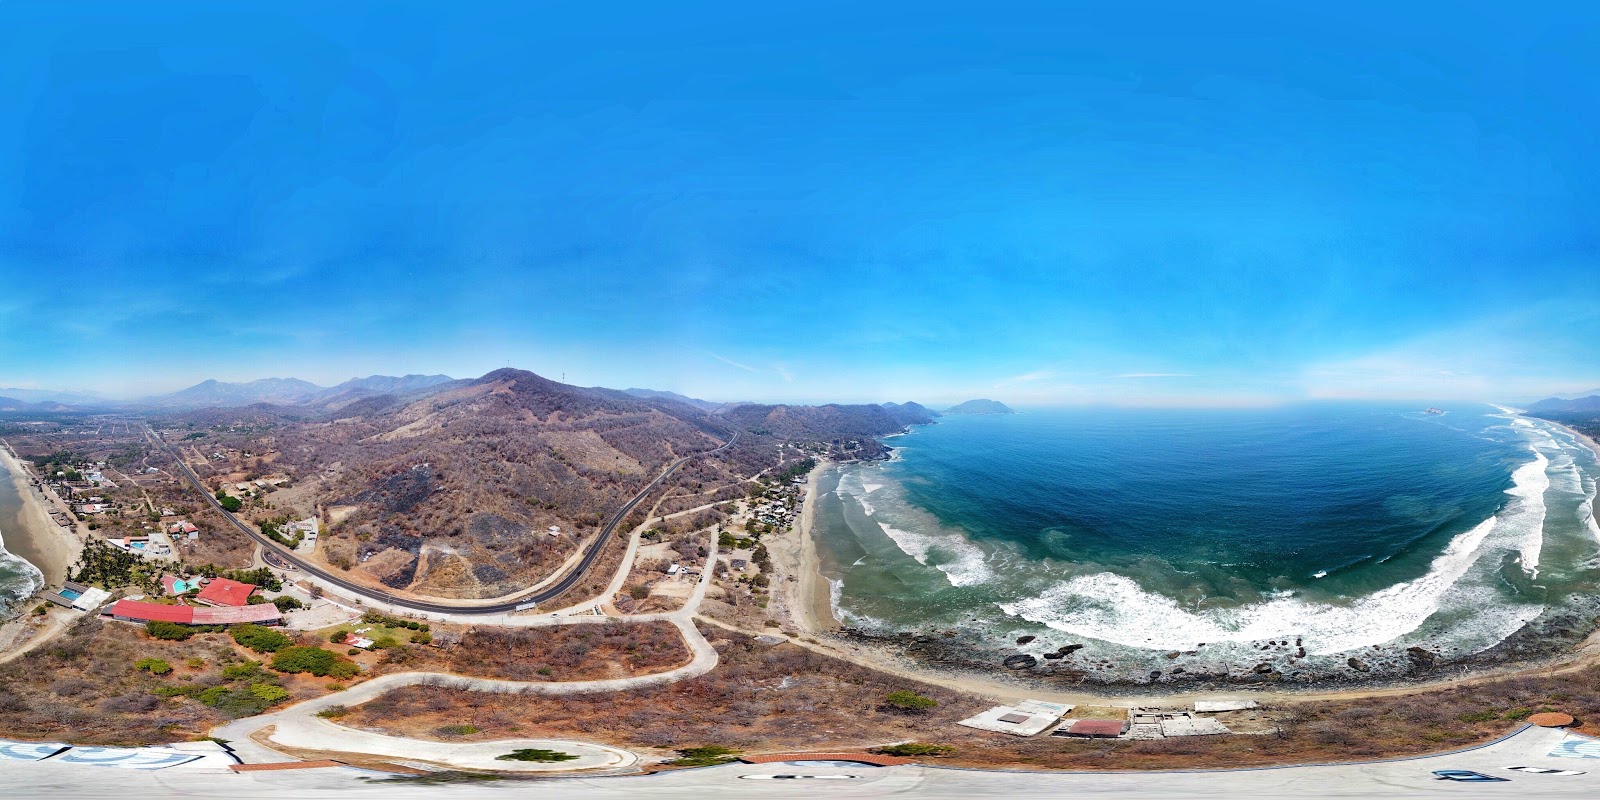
(190, 615)
(224, 592)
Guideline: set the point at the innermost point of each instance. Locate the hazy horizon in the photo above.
(1204, 206)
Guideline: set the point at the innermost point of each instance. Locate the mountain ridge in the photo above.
(1565, 405)
(980, 406)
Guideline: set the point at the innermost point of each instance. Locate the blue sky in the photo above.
(1157, 203)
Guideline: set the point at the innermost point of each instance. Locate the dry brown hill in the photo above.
(452, 494)
(450, 491)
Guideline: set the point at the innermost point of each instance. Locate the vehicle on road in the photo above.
(1466, 776)
(1544, 771)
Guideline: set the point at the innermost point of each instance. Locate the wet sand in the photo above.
(809, 604)
(26, 527)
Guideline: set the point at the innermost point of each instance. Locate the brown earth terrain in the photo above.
(784, 698)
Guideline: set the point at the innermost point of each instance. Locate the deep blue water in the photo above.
(1348, 524)
(1264, 498)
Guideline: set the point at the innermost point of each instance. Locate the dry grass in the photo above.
(759, 697)
(83, 688)
(560, 653)
(786, 698)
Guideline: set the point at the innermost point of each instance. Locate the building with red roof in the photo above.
(224, 592)
(135, 611)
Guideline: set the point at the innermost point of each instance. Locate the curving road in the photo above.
(299, 727)
(493, 607)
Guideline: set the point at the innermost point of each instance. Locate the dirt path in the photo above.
(298, 727)
(13, 630)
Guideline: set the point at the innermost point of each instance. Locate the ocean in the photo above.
(18, 579)
(1196, 541)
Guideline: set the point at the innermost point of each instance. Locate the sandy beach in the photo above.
(807, 596)
(1580, 435)
(26, 527)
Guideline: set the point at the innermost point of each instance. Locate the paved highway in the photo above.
(495, 607)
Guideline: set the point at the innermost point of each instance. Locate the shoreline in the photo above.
(884, 655)
(809, 598)
(1583, 438)
(30, 533)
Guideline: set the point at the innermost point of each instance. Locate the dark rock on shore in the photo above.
(1421, 657)
(1025, 639)
(1357, 664)
(1020, 661)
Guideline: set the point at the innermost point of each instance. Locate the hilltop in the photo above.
(1589, 404)
(911, 413)
(222, 394)
(980, 407)
(450, 489)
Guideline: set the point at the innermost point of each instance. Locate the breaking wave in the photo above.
(19, 579)
(962, 562)
(1116, 609)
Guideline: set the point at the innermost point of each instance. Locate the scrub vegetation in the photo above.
(780, 698)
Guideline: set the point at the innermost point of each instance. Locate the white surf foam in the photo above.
(1586, 509)
(22, 581)
(1529, 482)
(962, 562)
(1113, 608)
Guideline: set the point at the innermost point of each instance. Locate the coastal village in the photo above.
(161, 567)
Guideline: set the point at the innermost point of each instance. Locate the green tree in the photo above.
(907, 700)
(169, 631)
(537, 755)
(271, 694)
(315, 660)
(708, 756)
(260, 639)
(230, 504)
(244, 671)
(909, 749)
(154, 666)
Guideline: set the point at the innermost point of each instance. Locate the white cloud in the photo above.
(731, 362)
(1534, 350)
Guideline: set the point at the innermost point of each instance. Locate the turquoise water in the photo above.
(1143, 532)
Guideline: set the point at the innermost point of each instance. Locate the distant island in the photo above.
(980, 407)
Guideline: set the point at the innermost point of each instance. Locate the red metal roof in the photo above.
(1096, 727)
(189, 615)
(152, 612)
(224, 592)
(233, 615)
